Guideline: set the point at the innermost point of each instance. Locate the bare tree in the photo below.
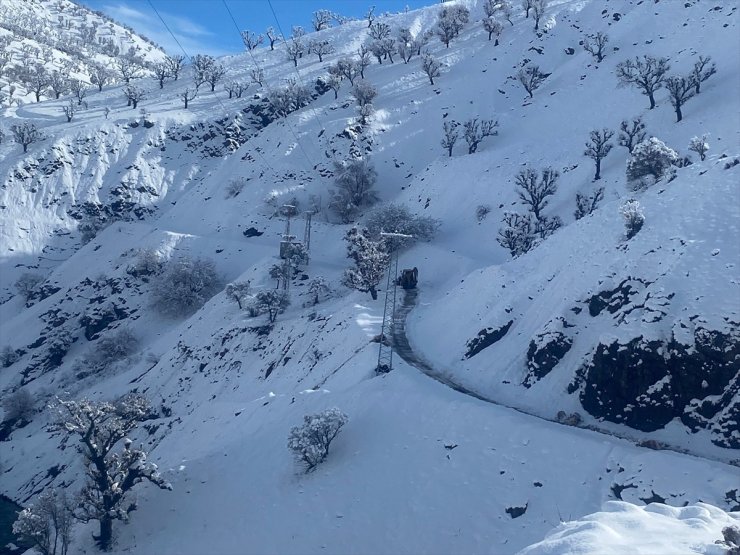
(631, 133)
(451, 21)
(598, 148)
(493, 28)
(700, 145)
(321, 48)
(129, 67)
(363, 59)
(100, 75)
(450, 136)
(476, 131)
(257, 75)
(79, 90)
(586, 204)
(161, 73)
(58, 83)
(47, 523)
(379, 30)
(347, 68)
(595, 45)
(334, 82)
(431, 67)
(531, 78)
(370, 15)
(134, 95)
(295, 50)
(272, 36)
(703, 69)
(518, 233)
(187, 95)
(202, 64)
(69, 110)
(647, 74)
(99, 427)
(534, 190)
(215, 74)
(174, 65)
(680, 90)
(387, 47)
(236, 88)
(36, 80)
(539, 7)
(526, 6)
(493, 7)
(321, 20)
(251, 40)
(26, 133)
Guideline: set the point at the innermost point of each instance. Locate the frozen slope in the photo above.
(228, 394)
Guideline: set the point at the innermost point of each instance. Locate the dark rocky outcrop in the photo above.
(486, 338)
(647, 383)
(544, 353)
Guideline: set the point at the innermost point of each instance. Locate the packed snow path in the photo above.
(403, 348)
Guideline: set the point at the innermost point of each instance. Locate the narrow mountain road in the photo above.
(403, 348)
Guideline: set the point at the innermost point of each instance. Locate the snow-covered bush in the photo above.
(481, 211)
(108, 350)
(631, 133)
(431, 67)
(148, 263)
(700, 146)
(364, 93)
(397, 218)
(100, 426)
(586, 204)
(633, 217)
(354, 187)
(47, 524)
(517, 234)
(650, 158)
(27, 283)
(371, 260)
(18, 406)
(318, 288)
(9, 356)
(184, 285)
(531, 78)
(310, 442)
(238, 292)
(235, 186)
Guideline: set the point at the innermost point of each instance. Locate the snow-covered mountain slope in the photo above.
(420, 467)
(63, 36)
(624, 528)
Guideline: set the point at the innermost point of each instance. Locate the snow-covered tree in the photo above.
(27, 283)
(703, 69)
(18, 406)
(289, 98)
(370, 262)
(494, 7)
(161, 72)
(174, 65)
(450, 136)
(215, 74)
(534, 189)
(379, 30)
(354, 188)
(79, 90)
(184, 285)
(517, 234)
(321, 48)
(493, 27)
(100, 75)
(234, 134)
(310, 442)
(321, 20)
(650, 158)
(272, 37)
(238, 291)
(700, 146)
(257, 76)
(187, 95)
(475, 131)
(598, 148)
(646, 74)
(347, 68)
(334, 82)
(25, 134)
(526, 6)
(596, 45)
(397, 218)
(129, 67)
(58, 83)
(586, 204)
(271, 302)
(69, 110)
(99, 427)
(531, 78)
(363, 60)
(680, 90)
(235, 186)
(318, 288)
(431, 67)
(405, 41)
(633, 216)
(47, 524)
(202, 64)
(539, 8)
(631, 133)
(236, 88)
(35, 79)
(134, 95)
(452, 20)
(148, 263)
(295, 49)
(364, 93)
(252, 40)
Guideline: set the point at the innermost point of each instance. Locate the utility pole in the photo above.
(385, 352)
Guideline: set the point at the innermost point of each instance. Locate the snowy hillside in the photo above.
(590, 369)
(61, 36)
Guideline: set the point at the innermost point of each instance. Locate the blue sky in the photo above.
(204, 26)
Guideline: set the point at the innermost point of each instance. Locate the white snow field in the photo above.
(420, 467)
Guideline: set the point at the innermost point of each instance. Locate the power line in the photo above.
(226, 110)
(257, 67)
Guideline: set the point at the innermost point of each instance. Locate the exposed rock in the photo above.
(486, 338)
(544, 353)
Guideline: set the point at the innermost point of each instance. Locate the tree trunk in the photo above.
(598, 169)
(374, 293)
(495, 43)
(652, 100)
(105, 539)
(679, 115)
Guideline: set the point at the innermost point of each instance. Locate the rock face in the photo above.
(646, 384)
(545, 351)
(486, 338)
